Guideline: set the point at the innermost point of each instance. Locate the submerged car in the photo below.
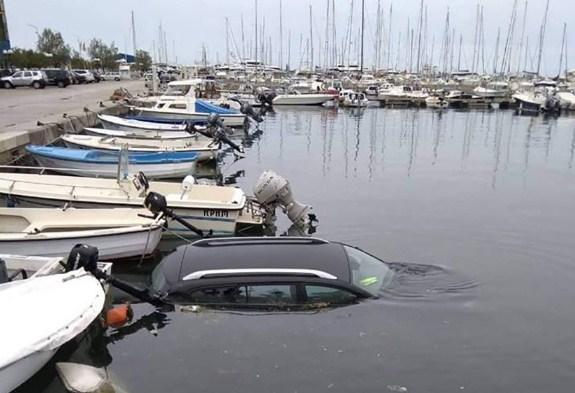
(269, 272)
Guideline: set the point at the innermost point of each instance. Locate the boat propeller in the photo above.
(84, 256)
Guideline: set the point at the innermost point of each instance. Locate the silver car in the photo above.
(35, 79)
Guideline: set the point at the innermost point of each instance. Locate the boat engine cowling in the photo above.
(273, 190)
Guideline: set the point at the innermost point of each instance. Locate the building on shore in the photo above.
(4, 37)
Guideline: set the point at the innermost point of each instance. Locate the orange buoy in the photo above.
(119, 315)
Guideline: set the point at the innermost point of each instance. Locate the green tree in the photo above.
(143, 60)
(28, 58)
(76, 61)
(53, 43)
(103, 54)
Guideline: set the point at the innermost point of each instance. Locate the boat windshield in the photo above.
(178, 90)
(368, 272)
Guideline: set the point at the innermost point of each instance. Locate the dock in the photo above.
(40, 116)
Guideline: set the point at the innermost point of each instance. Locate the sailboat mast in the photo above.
(362, 33)
(326, 49)
(459, 54)
(562, 49)
(311, 38)
(542, 37)
(496, 56)
(389, 36)
(520, 56)
(281, 58)
(256, 33)
(227, 42)
(419, 36)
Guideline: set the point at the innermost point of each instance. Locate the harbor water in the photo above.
(476, 210)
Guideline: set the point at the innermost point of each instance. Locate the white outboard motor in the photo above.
(272, 190)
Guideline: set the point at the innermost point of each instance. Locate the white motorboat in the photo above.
(137, 126)
(567, 100)
(436, 102)
(355, 100)
(105, 163)
(496, 89)
(206, 148)
(221, 209)
(296, 98)
(138, 134)
(181, 104)
(118, 233)
(529, 101)
(42, 314)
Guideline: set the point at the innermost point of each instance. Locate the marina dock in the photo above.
(23, 109)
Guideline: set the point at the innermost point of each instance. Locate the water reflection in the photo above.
(362, 139)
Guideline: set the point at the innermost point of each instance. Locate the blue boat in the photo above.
(100, 163)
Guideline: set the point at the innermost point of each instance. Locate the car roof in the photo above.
(291, 253)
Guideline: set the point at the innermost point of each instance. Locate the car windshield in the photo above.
(367, 272)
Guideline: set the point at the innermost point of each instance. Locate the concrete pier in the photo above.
(59, 110)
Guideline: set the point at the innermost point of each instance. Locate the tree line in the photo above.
(52, 51)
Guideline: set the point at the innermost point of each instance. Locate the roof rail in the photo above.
(264, 271)
(229, 241)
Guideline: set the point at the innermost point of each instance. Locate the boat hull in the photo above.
(125, 244)
(19, 372)
(203, 155)
(110, 171)
(302, 99)
(219, 221)
(126, 132)
(231, 120)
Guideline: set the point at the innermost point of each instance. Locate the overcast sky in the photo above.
(189, 24)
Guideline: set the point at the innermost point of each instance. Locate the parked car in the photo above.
(84, 76)
(269, 272)
(35, 79)
(56, 77)
(111, 76)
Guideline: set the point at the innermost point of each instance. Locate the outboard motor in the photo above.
(85, 256)
(272, 190)
(553, 105)
(82, 256)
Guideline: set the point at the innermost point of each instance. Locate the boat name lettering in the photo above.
(215, 213)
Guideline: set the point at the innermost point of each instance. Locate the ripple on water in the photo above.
(427, 282)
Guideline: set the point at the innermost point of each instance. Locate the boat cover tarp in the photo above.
(43, 313)
(207, 107)
(111, 157)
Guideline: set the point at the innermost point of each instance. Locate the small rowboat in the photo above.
(206, 148)
(98, 163)
(126, 124)
(118, 233)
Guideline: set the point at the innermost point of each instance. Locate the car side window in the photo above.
(220, 295)
(325, 294)
(272, 294)
(27, 74)
(17, 75)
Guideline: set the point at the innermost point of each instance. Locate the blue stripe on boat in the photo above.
(111, 157)
(207, 107)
